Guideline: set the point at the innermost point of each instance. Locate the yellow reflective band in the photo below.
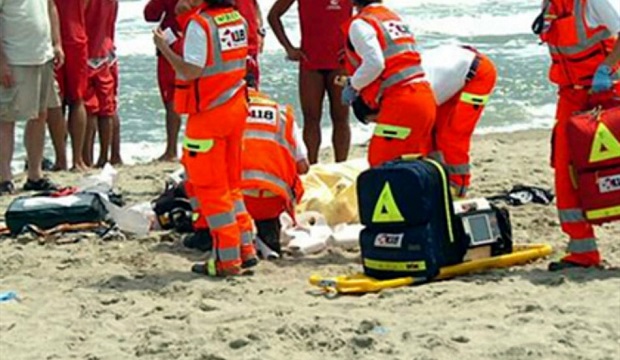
(410, 157)
(201, 146)
(605, 145)
(603, 213)
(474, 99)
(446, 194)
(392, 132)
(257, 100)
(386, 210)
(227, 18)
(211, 268)
(411, 266)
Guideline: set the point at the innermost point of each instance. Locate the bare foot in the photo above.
(79, 167)
(59, 167)
(116, 161)
(168, 158)
(101, 163)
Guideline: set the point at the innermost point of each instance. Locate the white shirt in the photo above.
(195, 46)
(604, 12)
(301, 151)
(446, 69)
(366, 44)
(25, 32)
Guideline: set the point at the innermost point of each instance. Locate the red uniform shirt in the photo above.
(247, 9)
(72, 28)
(100, 27)
(156, 9)
(321, 35)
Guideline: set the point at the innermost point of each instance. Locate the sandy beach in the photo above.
(135, 298)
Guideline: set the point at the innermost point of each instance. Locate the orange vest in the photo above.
(223, 73)
(402, 60)
(576, 49)
(268, 159)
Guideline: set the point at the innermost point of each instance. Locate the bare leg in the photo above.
(173, 125)
(311, 94)
(105, 126)
(7, 144)
(58, 132)
(115, 157)
(34, 138)
(77, 130)
(89, 140)
(341, 136)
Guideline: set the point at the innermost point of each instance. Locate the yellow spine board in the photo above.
(360, 283)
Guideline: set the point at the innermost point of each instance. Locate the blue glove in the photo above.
(602, 79)
(348, 94)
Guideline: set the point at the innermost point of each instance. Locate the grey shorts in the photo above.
(33, 92)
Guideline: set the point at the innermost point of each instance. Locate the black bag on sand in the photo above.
(411, 228)
(47, 212)
(173, 209)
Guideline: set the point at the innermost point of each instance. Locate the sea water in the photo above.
(523, 99)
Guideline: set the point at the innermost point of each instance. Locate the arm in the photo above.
(279, 8)
(259, 15)
(614, 57)
(301, 152)
(195, 51)
(366, 44)
(59, 56)
(154, 10)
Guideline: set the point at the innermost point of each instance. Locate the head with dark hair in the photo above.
(220, 3)
(362, 3)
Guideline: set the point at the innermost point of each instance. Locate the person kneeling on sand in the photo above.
(274, 155)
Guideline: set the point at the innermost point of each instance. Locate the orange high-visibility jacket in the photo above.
(402, 60)
(222, 75)
(268, 159)
(576, 49)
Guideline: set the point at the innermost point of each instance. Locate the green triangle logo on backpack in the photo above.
(386, 209)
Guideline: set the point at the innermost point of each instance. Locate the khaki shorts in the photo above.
(34, 91)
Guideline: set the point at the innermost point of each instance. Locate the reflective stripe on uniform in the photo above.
(239, 207)
(228, 254)
(582, 246)
(571, 215)
(583, 42)
(474, 99)
(437, 156)
(247, 237)
(264, 176)
(256, 193)
(402, 75)
(194, 203)
(459, 169)
(221, 220)
(198, 145)
(392, 131)
(226, 95)
(269, 136)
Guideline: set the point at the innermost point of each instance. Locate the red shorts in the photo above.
(100, 96)
(116, 77)
(72, 77)
(165, 79)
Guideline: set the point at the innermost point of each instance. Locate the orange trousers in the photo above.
(404, 123)
(456, 120)
(212, 161)
(582, 248)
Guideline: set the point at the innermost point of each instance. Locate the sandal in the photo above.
(43, 184)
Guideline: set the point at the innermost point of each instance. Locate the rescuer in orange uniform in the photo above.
(582, 39)
(211, 90)
(274, 155)
(385, 69)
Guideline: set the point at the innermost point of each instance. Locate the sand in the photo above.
(136, 299)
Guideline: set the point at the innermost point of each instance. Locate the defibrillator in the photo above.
(487, 228)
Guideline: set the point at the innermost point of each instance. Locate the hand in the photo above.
(59, 56)
(159, 39)
(602, 79)
(295, 54)
(6, 76)
(349, 94)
